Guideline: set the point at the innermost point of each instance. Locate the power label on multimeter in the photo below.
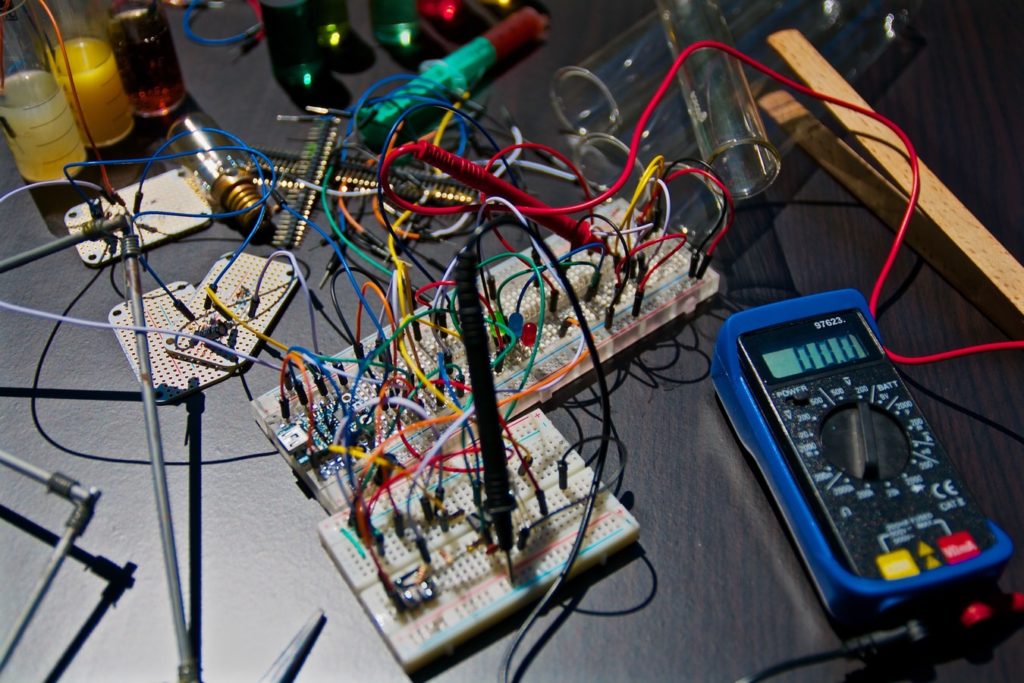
(878, 510)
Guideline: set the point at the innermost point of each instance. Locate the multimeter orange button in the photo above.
(899, 564)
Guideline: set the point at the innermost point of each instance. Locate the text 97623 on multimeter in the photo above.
(879, 513)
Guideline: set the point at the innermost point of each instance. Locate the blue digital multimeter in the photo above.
(878, 511)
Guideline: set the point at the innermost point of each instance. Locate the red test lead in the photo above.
(465, 171)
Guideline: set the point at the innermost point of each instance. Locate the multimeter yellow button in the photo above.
(899, 564)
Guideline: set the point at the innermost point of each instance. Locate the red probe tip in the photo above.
(511, 33)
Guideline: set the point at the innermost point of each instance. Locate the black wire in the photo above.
(348, 336)
(599, 457)
(618, 233)
(794, 663)
(623, 457)
(723, 205)
(113, 282)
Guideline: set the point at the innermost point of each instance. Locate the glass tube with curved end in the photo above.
(600, 157)
(723, 112)
(612, 86)
(34, 112)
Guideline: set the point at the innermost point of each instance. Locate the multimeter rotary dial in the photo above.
(866, 489)
(865, 441)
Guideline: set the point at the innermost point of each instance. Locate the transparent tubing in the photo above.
(612, 86)
(725, 117)
(851, 39)
(606, 92)
(600, 157)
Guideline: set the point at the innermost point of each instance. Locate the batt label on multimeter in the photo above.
(877, 509)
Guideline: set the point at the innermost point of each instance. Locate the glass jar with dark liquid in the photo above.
(145, 55)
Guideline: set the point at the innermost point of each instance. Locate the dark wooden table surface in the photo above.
(712, 591)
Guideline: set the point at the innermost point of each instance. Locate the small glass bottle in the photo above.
(297, 61)
(107, 109)
(396, 23)
(34, 111)
(141, 39)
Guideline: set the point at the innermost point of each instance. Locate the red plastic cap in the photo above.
(511, 33)
(976, 613)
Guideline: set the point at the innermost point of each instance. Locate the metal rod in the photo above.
(287, 665)
(186, 660)
(77, 493)
(84, 501)
(42, 585)
(91, 231)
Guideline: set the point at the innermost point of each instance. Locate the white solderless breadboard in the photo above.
(173, 191)
(176, 375)
(670, 293)
(464, 590)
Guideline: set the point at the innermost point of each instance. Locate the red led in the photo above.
(445, 10)
(529, 336)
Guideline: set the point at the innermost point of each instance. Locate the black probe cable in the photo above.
(499, 502)
(599, 458)
(855, 648)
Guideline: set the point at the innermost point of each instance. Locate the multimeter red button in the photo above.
(958, 547)
(899, 564)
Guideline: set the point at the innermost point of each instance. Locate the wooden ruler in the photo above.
(943, 231)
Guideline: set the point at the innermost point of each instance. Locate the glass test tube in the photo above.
(34, 111)
(107, 109)
(723, 112)
(144, 51)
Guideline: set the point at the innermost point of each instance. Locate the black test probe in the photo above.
(499, 503)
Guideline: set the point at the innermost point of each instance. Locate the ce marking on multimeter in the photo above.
(877, 509)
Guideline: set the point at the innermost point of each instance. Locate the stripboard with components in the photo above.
(877, 508)
(173, 191)
(181, 366)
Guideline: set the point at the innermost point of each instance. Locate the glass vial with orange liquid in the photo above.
(141, 39)
(107, 109)
(34, 111)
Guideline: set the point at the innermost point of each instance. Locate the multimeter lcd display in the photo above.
(814, 355)
(809, 346)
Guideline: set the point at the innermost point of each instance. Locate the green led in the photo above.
(396, 23)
